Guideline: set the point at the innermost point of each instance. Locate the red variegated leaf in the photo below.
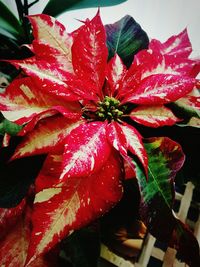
(48, 30)
(147, 63)
(73, 204)
(72, 89)
(44, 51)
(48, 135)
(50, 172)
(183, 66)
(23, 100)
(129, 171)
(190, 103)
(86, 150)
(115, 73)
(116, 138)
(178, 45)
(153, 116)
(9, 216)
(43, 69)
(135, 144)
(161, 89)
(14, 246)
(89, 53)
(125, 138)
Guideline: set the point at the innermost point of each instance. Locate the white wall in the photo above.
(159, 18)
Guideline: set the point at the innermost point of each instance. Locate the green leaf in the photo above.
(165, 159)
(55, 7)
(125, 37)
(9, 127)
(8, 22)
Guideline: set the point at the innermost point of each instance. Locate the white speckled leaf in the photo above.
(153, 116)
(67, 206)
(86, 150)
(48, 135)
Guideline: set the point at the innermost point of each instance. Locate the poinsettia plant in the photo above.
(80, 102)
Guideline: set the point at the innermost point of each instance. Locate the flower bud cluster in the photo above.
(109, 109)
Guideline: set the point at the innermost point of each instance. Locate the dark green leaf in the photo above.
(55, 7)
(165, 159)
(8, 22)
(125, 37)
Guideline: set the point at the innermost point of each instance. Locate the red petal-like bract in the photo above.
(125, 139)
(178, 45)
(50, 31)
(51, 40)
(47, 136)
(116, 71)
(161, 89)
(86, 150)
(89, 53)
(72, 204)
(153, 116)
(8, 217)
(23, 100)
(70, 87)
(14, 245)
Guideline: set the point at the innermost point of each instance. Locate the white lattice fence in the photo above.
(149, 250)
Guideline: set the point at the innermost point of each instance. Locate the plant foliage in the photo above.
(79, 104)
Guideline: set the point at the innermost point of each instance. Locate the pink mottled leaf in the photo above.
(178, 45)
(89, 53)
(148, 63)
(190, 103)
(153, 116)
(48, 135)
(73, 204)
(44, 51)
(48, 30)
(116, 70)
(86, 150)
(127, 139)
(23, 100)
(9, 216)
(161, 89)
(14, 246)
(43, 69)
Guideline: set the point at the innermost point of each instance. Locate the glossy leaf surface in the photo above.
(125, 37)
(89, 53)
(153, 116)
(157, 192)
(48, 135)
(55, 7)
(9, 22)
(86, 150)
(67, 206)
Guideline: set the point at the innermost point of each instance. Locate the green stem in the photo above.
(33, 3)
(20, 9)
